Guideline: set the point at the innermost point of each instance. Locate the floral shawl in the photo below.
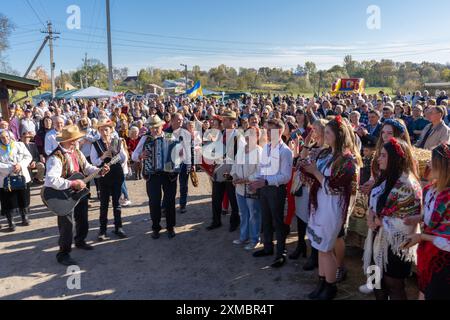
(343, 181)
(405, 198)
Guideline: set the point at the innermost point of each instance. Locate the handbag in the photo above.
(14, 183)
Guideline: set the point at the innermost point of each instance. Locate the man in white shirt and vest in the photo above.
(63, 163)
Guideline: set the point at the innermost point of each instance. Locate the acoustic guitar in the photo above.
(63, 202)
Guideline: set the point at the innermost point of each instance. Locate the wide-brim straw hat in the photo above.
(155, 122)
(229, 114)
(70, 133)
(105, 123)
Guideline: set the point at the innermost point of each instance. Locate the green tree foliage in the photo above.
(304, 78)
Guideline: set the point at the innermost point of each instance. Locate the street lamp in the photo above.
(186, 74)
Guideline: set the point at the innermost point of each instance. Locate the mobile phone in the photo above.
(295, 134)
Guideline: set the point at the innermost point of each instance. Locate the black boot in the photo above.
(23, 214)
(329, 292)
(313, 260)
(11, 224)
(301, 244)
(317, 291)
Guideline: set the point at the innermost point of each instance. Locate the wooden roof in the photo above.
(18, 83)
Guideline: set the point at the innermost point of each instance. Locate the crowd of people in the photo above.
(371, 171)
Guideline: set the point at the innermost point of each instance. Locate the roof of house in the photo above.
(131, 78)
(18, 83)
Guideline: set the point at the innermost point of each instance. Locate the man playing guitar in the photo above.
(62, 163)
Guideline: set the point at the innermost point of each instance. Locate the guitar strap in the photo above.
(66, 170)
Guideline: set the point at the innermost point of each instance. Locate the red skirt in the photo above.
(431, 262)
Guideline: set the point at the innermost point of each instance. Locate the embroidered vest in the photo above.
(66, 171)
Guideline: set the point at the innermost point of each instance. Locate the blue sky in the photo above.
(247, 33)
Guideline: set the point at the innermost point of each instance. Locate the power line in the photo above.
(37, 15)
(240, 52)
(26, 42)
(388, 47)
(44, 10)
(94, 14)
(176, 37)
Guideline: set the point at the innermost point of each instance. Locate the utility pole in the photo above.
(32, 64)
(51, 37)
(85, 70)
(108, 27)
(186, 74)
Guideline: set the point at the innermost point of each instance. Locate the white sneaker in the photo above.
(126, 203)
(364, 289)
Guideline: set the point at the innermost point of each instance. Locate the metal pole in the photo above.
(185, 74)
(35, 57)
(52, 62)
(85, 71)
(108, 27)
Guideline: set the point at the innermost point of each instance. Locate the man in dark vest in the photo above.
(110, 185)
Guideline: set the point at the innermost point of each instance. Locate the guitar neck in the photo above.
(92, 176)
(96, 173)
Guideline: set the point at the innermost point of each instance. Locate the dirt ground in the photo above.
(197, 264)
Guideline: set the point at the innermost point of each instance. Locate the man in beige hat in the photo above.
(158, 178)
(61, 164)
(220, 185)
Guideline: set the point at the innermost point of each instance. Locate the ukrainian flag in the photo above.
(195, 91)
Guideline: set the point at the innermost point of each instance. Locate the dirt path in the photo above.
(196, 264)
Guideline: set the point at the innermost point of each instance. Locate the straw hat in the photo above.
(105, 123)
(154, 122)
(70, 133)
(229, 114)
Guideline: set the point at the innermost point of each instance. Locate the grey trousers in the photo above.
(272, 201)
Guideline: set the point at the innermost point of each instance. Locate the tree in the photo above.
(6, 27)
(144, 78)
(120, 74)
(41, 75)
(310, 67)
(445, 74)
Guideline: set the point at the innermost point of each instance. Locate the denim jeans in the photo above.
(250, 213)
(125, 190)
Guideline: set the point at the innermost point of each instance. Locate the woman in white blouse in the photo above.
(243, 172)
(14, 160)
